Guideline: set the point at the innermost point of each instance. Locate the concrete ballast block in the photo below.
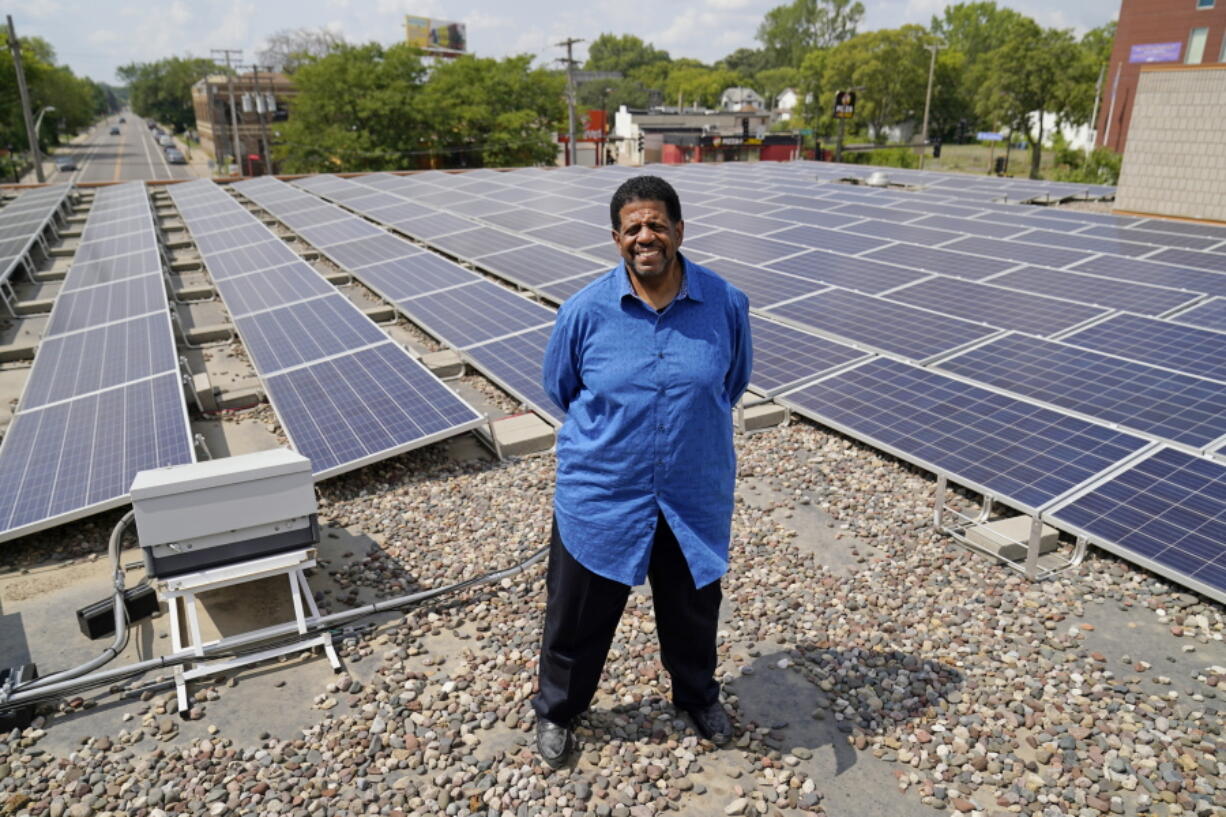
(522, 434)
(1002, 537)
(446, 363)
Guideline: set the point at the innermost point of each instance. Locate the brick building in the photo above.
(256, 97)
(1188, 32)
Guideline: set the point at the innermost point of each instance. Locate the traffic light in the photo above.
(936, 149)
(640, 142)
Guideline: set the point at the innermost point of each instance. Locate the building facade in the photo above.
(261, 103)
(1187, 32)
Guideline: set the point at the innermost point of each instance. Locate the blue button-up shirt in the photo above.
(648, 398)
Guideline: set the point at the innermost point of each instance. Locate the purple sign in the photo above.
(1155, 52)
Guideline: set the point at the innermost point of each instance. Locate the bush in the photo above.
(1102, 166)
(885, 157)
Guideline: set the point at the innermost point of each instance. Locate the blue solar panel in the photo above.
(741, 247)
(559, 291)
(827, 239)
(70, 365)
(432, 226)
(946, 262)
(537, 264)
(881, 324)
(872, 211)
(1019, 251)
(1166, 513)
(232, 237)
(859, 274)
(271, 288)
(356, 254)
(1191, 258)
(1052, 238)
(1184, 227)
(901, 232)
(967, 226)
(742, 222)
(415, 275)
(519, 219)
(1094, 289)
(996, 305)
(307, 331)
(763, 287)
(817, 218)
(345, 412)
(1165, 404)
(477, 242)
(1209, 315)
(1163, 343)
(1190, 242)
(1148, 272)
(475, 313)
(79, 456)
(515, 364)
(336, 232)
(316, 215)
(571, 234)
(223, 222)
(1024, 454)
(271, 253)
(82, 308)
(784, 357)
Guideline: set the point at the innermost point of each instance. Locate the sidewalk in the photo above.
(72, 148)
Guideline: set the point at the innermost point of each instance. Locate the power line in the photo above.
(238, 53)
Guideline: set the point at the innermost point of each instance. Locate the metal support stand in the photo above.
(180, 593)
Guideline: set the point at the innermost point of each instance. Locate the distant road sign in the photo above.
(844, 104)
(989, 136)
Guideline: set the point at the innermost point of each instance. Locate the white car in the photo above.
(166, 141)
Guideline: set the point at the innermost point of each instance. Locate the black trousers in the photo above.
(581, 614)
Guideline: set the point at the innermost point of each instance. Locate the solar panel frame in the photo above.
(1214, 262)
(1049, 454)
(305, 331)
(1211, 314)
(848, 272)
(1018, 251)
(536, 265)
(1158, 513)
(997, 305)
(1085, 288)
(474, 313)
(1179, 347)
(785, 357)
(942, 261)
(1144, 271)
(515, 364)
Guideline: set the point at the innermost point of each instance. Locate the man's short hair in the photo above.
(644, 188)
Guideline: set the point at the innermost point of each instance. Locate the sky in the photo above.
(94, 37)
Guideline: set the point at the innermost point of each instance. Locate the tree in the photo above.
(790, 31)
(494, 113)
(1020, 79)
(356, 109)
(890, 69)
(974, 29)
(1080, 85)
(162, 90)
(625, 91)
(748, 62)
(76, 100)
(290, 48)
(774, 81)
(626, 53)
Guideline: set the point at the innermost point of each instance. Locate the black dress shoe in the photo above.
(712, 723)
(554, 742)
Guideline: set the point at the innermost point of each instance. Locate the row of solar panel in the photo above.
(103, 399)
(23, 221)
(346, 395)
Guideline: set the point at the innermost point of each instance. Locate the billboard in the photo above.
(845, 105)
(436, 35)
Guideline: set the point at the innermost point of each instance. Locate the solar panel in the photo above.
(1165, 404)
(474, 313)
(1052, 238)
(78, 457)
(946, 262)
(1209, 315)
(1149, 272)
(763, 287)
(559, 291)
(1192, 258)
(901, 232)
(1022, 453)
(784, 357)
(271, 288)
(880, 324)
(304, 332)
(843, 242)
(739, 247)
(816, 218)
(520, 219)
(90, 306)
(1018, 251)
(740, 204)
(270, 253)
(477, 242)
(516, 364)
(995, 305)
(967, 226)
(337, 232)
(571, 234)
(415, 275)
(433, 225)
(345, 412)
(873, 211)
(1164, 239)
(537, 264)
(232, 238)
(316, 215)
(743, 222)
(859, 274)
(81, 362)
(1184, 227)
(1166, 513)
(354, 255)
(1094, 289)
(1183, 348)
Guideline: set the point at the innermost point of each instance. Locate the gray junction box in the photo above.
(202, 515)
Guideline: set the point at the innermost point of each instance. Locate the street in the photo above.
(130, 156)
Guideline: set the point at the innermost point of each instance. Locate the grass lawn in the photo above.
(978, 159)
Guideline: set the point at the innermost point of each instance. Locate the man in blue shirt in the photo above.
(647, 362)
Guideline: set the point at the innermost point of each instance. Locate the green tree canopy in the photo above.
(748, 62)
(976, 28)
(790, 31)
(626, 53)
(77, 100)
(289, 49)
(625, 91)
(162, 90)
(890, 69)
(1023, 77)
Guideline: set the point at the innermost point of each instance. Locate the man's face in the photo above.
(648, 240)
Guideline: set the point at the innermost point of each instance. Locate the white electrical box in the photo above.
(200, 515)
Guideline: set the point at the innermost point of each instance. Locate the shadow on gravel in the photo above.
(800, 695)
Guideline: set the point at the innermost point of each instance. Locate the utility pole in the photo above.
(571, 148)
(932, 65)
(259, 112)
(26, 114)
(1098, 92)
(226, 52)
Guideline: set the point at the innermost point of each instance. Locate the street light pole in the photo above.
(31, 131)
(932, 65)
(38, 122)
(572, 150)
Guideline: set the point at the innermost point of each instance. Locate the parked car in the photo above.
(115, 130)
(165, 141)
(122, 120)
(65, 163)
(151, 125)
(175, 156)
